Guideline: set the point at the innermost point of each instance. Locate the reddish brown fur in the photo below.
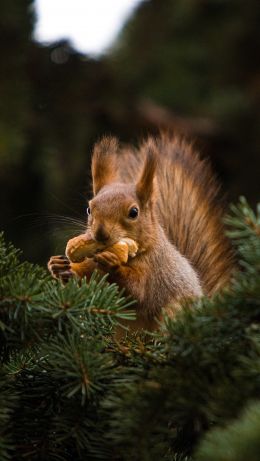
(145, 187)
(182, 247)
(104, 168)
(188, 206)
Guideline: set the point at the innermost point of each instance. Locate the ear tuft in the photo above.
(145, 188)
(103, 165)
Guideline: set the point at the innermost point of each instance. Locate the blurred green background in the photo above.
(189, 66)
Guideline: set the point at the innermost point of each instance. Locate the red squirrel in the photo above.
(164, 197)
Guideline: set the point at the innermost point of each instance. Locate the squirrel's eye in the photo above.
(88, 211)
(133, 212)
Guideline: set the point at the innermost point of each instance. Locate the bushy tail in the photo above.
(191, 211)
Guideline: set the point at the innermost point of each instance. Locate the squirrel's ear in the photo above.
(103, 165)
(145, 187)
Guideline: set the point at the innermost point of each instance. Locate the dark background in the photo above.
(188, 66)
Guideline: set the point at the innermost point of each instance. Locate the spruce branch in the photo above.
(86, 306)
(8, 403)
(79, 394)
(9, 257)
(239, 441)
(244, 230)
(87, 368)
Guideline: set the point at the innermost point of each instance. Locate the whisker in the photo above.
(58, 200)
(50, 216)
(67, 219)
(54, 223)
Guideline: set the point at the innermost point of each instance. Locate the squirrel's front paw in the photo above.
(60, 268)
(107, 260)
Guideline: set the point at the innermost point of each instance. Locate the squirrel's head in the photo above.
(117, 209)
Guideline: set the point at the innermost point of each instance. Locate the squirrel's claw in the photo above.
(107, 260)
(60, 268)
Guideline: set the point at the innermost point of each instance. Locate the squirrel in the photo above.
(165, 198)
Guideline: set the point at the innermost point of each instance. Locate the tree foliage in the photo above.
(69, 390)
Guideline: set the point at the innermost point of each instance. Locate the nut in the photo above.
(83, 246)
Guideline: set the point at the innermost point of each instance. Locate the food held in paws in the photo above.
(81, 247)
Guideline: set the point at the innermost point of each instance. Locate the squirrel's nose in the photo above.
(101, 234)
